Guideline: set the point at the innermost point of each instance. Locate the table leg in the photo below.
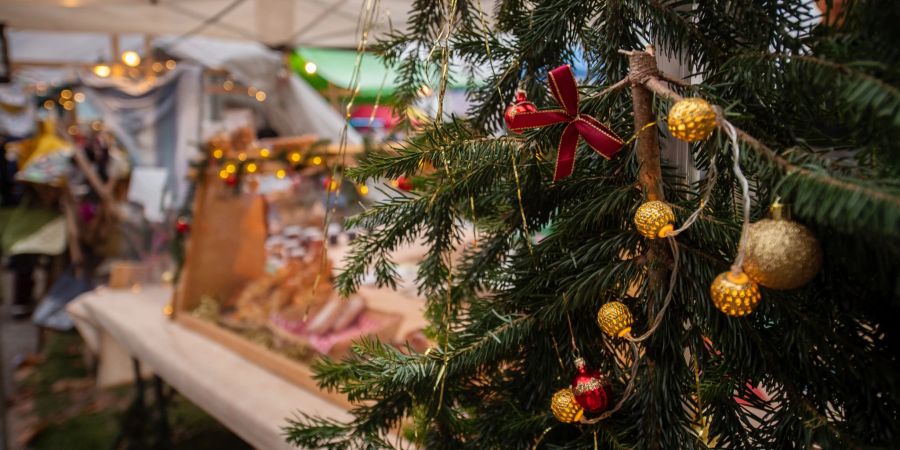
(165, 437)
(136, 414)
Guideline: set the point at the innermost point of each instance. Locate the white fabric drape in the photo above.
(157, 120)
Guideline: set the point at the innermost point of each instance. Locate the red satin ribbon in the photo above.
(599, 137)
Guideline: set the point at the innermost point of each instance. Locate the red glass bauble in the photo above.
(521, 105)
(404, 183)
(182, 225)
(231, 180)
(591, 389)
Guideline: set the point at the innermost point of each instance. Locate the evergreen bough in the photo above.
(823, 98)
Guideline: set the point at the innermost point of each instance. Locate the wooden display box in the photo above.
(226, 251)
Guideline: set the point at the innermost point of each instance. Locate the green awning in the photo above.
(336, 67)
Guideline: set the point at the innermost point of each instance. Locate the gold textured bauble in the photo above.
(654, 219)
(735, 294)
(615, 319)
(564, 406)
(781, 254)
(691, 119)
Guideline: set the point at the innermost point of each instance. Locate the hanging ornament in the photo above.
(182, 225)
(615, 319)
(564, 406)
(404, 184)
(734, 293)
(231, 180)
(781, 253)
(520, 105)
(654, 219)
(691, 119)
(578, 126)
(591, 389)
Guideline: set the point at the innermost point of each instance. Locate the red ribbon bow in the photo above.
(599, 137)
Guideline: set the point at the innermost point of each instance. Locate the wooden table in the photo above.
(247, 399)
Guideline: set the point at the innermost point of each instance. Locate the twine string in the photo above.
(745, 190)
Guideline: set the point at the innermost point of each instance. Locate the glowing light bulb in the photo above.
(363, 190)
(66, 94)
(48, 104)
(264, 153)
(79, 97)
(242, 156)
(317, 160)
(170, 64)
(218, 153)
(281, 173)
(251, 167)
(310, 68)
(102, 70)
(230, 168)
(295, 157)
(223, 174)
(261, 96)
(131, 58)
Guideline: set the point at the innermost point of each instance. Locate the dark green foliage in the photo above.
(825, 99)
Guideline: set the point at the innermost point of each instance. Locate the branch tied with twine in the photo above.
(644, 74)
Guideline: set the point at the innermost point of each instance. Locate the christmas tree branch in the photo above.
(654, 84)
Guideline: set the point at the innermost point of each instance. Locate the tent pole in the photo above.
(114, 45)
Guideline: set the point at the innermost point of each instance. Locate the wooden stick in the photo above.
(642, 65)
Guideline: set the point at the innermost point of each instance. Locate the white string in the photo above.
(673, 244)
(745, 189)
(713, 176)
(636, 356)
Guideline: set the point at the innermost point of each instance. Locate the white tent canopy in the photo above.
(319, 23)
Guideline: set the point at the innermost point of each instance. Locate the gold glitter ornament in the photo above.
(781, 254)
(615, 319)
(735, 294)
(564, 406)
(691, 119)
(654, 219)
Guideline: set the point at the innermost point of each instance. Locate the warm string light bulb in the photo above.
(264, 153)
(280, 174)
(102, 70)
(317, 160)
(296, 157)
(218, 153)
(131, 58)
(310, 68)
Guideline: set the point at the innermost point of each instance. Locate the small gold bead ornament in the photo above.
(691, 119)
(781, 253)
(654, 219)
(615, 319)
(564, 406)
(735, 294)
